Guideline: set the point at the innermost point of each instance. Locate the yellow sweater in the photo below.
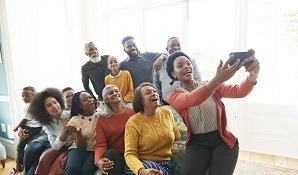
(124, 83)
(149, 137)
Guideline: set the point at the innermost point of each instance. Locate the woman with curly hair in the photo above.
(82, 125)
(47, 107)
(109, 151)
(149, 134)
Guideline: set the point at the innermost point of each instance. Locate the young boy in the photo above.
(120, 78)
(29, 126)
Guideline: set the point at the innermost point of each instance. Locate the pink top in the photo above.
(87, 125)
(181, 101)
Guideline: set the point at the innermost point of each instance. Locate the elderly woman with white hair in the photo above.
(109, 151)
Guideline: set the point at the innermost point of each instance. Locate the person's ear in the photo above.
(173, 74)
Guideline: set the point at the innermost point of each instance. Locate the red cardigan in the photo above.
(181, 101)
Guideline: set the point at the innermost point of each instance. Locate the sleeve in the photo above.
(157, 83)
(236, 91)
(180, 100)
(101, 142)
(197, 71)
(55, 142)
(85, 81)
(129, 94)
(153, 56)
(131, 138)
(106, 80)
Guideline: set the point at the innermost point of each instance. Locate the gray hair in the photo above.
(107, 111)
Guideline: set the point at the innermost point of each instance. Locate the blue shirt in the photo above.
(54, 129)
(141, 67)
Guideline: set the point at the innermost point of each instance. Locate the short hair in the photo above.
(173, 37)
(37, 109)
(75, 104)
(29, 88)
(67, 89)
(87, 46)
(108, 111)
(170, 63)
(126, 39)
(137, 98)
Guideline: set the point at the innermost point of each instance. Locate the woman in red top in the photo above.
(110, 132)
(209, 141)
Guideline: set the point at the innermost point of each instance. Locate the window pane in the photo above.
(160, 24)
(211, 33)
(273, 31)
(118, 27)
(114, 5)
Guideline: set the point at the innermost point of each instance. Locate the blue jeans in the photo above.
(31, 156)
(80, 162)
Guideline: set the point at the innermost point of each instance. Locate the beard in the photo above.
(131, 55)
(95, 59)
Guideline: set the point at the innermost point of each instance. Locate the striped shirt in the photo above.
(202, 117)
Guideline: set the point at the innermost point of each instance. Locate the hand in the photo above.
(22, 134)
(105, 165)
(254, 68)
(150, 171)
(64, 122)
(225, 72)
(158, 63)
(73, 129)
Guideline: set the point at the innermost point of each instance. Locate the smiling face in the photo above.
(53, 107)
(131, 48)
(113, 95)
(67, 96)
(173, 45)
(182, 69)
(27, 96)
(150, 97)
(87, 103)
(113, 64)
(91, 50)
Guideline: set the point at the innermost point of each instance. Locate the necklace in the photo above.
(90, 119)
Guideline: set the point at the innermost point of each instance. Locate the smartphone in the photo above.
(242, 56)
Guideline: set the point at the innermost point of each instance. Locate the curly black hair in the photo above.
(137, 97)
(170, 63)
(37, 108)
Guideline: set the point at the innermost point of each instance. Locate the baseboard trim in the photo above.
(9, 146)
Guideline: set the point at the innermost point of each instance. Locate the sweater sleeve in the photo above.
(101, 142)
(129, 94)
(236, 91)
(131, 138)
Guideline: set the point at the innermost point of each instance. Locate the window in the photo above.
(273, 31)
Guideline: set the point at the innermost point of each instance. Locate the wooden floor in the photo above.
(269, 159)
(243, 155)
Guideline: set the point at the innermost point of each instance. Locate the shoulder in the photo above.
(104, 57)
(86, 65)
(134, 118)
(164, 109)
(125, 60)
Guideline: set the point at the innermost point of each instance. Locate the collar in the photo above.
(118, 75)
(136, 58)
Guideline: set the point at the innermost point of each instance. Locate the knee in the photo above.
(112, 154)
(72, 168)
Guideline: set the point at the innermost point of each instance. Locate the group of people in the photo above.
(79, 138)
